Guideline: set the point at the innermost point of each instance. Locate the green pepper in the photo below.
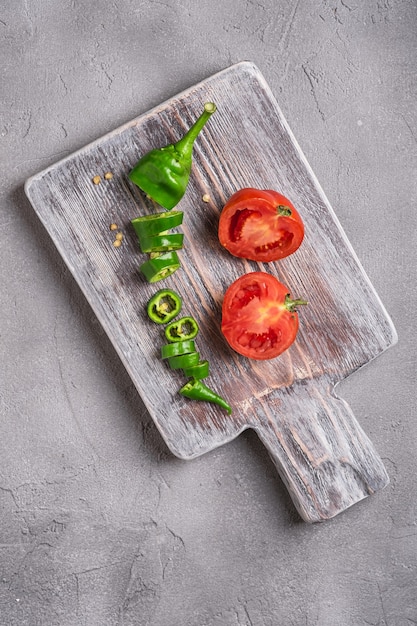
(162, 243)
(164, 306)
(160, 266)
(156, 223)
(154, 238)
(182, 361)
(163, 173)
(196, 390)
(175, 349)
(199, 371)
(182, 329)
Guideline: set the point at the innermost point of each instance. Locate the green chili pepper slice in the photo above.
(160, 266)
(156, 223)
(164, 306)
(183, 361)
(199, 371)
(162, 242)
(176, 349)
(196, 390)
(163, 174)
(182, 329)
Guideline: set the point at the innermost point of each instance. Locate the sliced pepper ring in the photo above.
(164, 305)
(160, 266)
(162, 243)
(156, 223)
(182, 329)
(199, 371)
(178, 348)
(182, 361)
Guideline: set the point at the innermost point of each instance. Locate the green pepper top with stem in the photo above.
(163, 173)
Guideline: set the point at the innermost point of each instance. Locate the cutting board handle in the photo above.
(322, 454)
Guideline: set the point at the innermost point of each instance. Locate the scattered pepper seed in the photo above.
(206, 198)
(113, 226)
(108, 175)
(117, 243)
(119, 236)
(97, 180)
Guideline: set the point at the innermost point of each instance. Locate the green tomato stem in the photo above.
(283, 210)
(291, 305)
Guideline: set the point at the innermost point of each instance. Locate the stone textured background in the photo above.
(99, 524)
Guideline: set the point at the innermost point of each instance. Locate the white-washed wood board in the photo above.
(322, 454)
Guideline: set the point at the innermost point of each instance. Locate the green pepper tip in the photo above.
(197, 390)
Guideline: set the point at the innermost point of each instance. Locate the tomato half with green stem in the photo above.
(260, 225)
(259, 317)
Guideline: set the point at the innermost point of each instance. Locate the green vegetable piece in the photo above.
(182, 329)
(196, 390)
(199, 371)
(164, 306)
(162, 243)
(183, 361)
(175, 349)
(163, 173)
(160, 266)
(156, 223)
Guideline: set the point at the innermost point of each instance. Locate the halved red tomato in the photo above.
(259, 318)
(260, 225)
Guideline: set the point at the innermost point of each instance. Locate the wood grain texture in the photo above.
(322, 454)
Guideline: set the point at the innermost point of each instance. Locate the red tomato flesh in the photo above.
(260, 225)
(259, 319)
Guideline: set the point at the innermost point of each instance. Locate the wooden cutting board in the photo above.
(321, 453)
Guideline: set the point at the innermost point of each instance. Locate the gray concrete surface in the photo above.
(99, 524)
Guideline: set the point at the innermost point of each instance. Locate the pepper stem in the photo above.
(291, 305)
(185, 145)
